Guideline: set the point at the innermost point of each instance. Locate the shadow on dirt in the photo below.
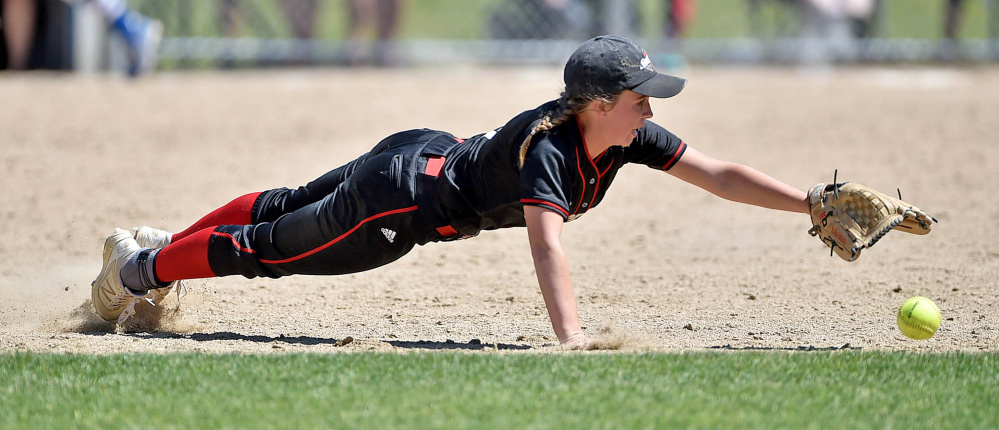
(729, 347)
(472, 345)
(225, 335)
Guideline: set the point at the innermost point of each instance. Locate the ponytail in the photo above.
(567, 108)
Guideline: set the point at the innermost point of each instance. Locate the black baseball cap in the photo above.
(606, 65)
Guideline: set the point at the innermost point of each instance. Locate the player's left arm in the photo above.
(738, 183)
(544, 230)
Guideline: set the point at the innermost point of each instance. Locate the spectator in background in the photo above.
(17, 20)
(301, 18)
(381, 16)
(564, 19)
(229, 14)
(301, 15)
(542, 20)
(952, 18)
(376, 20)
(949, 48)
(830, 28)
(679, 15)
(141, 34)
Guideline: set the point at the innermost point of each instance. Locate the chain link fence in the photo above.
(255, 33)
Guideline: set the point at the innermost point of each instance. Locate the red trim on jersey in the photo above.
(582, 178)
(669, 164)
(596, 186)
(605, 170)
(339, 238)
(583, 136)
(459, 140)
(579, 168)
(545, 203)
(595, 192)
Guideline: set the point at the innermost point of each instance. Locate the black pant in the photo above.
(362, 215)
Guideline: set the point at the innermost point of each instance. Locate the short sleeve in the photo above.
(544, 178)
(655, 147)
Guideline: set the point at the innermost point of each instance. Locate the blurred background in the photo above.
(137, 36)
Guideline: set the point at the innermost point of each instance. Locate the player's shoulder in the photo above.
(655, 135)
(531, 117)
(518, 127)
(565, 135)
(655, 147)
(553, 142)
(652, 128)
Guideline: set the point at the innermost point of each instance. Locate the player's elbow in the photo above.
(725, 180)
(545, 248)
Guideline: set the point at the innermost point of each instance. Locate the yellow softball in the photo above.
(919, 318)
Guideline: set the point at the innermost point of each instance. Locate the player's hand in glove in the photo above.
(850, 217)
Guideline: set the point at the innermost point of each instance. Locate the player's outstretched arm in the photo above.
(544, 230)
(739, 183)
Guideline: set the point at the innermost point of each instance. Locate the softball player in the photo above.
(546, 166)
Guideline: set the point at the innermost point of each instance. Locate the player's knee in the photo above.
(271, 204)
(230, 253)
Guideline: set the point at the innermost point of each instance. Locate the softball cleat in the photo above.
(112, 301)
(149, 237)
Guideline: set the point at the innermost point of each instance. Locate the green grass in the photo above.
(459, 390)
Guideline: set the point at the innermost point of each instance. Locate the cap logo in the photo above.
(646, 62)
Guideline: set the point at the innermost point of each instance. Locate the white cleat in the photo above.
(112, 300)
(149, 237)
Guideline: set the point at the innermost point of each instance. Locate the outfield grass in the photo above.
(460, 390)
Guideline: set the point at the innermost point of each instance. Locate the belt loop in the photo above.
(447, 231)
(434, 166)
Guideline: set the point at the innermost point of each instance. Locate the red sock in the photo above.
(186, 258)
(236, 212)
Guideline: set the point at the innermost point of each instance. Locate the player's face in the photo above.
(627, 116)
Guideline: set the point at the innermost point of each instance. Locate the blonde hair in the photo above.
(568, 106)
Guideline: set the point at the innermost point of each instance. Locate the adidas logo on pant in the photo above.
(389, 234)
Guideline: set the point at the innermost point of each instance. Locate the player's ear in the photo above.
(600, 106)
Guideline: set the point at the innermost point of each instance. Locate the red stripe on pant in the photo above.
(334, 241)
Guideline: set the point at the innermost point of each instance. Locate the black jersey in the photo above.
(483, 187)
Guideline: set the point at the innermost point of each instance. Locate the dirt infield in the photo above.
(658, 265)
